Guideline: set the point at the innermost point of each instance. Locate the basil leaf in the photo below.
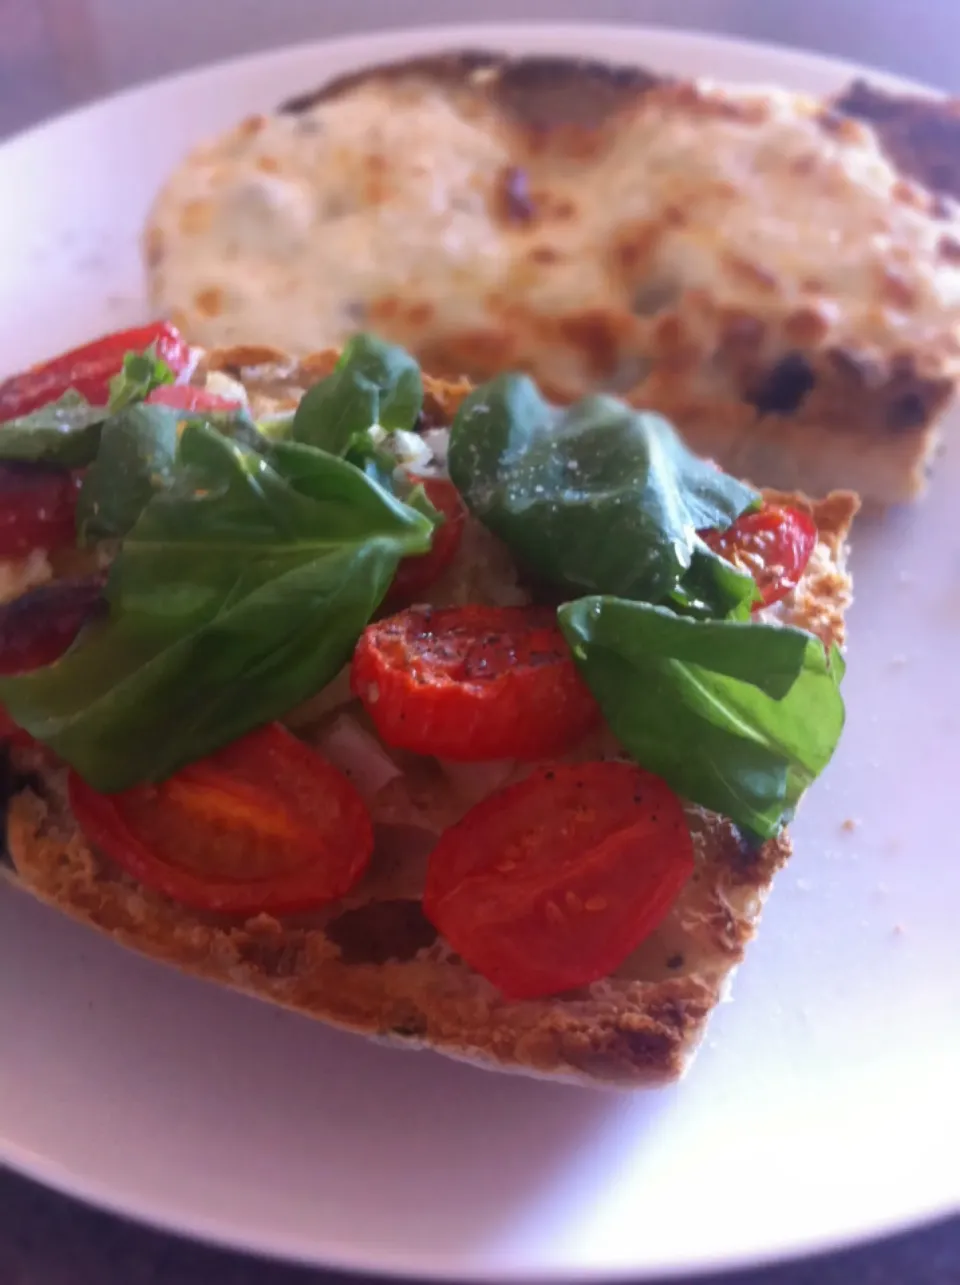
(372, 383)
(737, 717)
(238, 425)
(713, 588)
(140, 374)
(373, 459)
(136, 456)
(592, 497)
(240, 591)
(65, 432)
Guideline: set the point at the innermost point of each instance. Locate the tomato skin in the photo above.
(473, 683)
(38, 508)
(189, 399)
(774, 544)
(551, 883)
(264, 825)
(38, 627)
(11, 734)
(89, 368)
(415, 574)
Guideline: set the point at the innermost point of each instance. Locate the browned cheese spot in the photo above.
(209, 301)
(196, 217)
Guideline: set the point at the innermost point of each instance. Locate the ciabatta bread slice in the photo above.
(754, 263)
(373, 963)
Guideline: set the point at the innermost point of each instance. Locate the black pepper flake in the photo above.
(675, 961)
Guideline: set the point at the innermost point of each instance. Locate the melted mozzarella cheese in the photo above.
(383, 208)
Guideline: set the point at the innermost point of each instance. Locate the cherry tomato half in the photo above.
(89, 368)
(774, 544)
(417, 573)
(551, 883)
(189, 399)
(37, 508)
(11, 734)
(264, 825)
(473, 683)
(38, 627)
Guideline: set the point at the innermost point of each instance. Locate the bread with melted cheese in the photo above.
(373, 963)
(754, 263)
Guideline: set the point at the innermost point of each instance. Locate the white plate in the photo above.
(824, 1106)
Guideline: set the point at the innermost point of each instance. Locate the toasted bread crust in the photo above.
(373, 964)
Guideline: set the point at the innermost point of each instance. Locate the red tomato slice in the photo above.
(187, 398)
(262, 826)
(89, 368)
(774, 544)
(11, 734)
(417, 573)
(38, 627)
(37, 508)
(473, 683)
(551, 883)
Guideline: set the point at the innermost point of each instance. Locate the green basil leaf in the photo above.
(65, 432)
(135, 460)
(594, 497)
(737, 717)
(240, 591)
(373, 459)
(239, 425)
(140, 374)
(713, 588)
(372, 383)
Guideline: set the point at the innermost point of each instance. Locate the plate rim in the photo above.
(99, 1197)
(496, 33)
(95, 1193)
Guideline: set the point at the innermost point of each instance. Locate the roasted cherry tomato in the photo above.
(551, 883)
(473, 683)
(89, 369)
(189, 399)
(11, 734)
(264, 825)
(38, 627)
(417, 573)
(37, 508)
(773, 544)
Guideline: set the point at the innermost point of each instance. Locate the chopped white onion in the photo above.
(185, 375)
(474, 781)
(411, 450)
(360, 755)
(221, 385)
(336, 693)
(438, 440)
